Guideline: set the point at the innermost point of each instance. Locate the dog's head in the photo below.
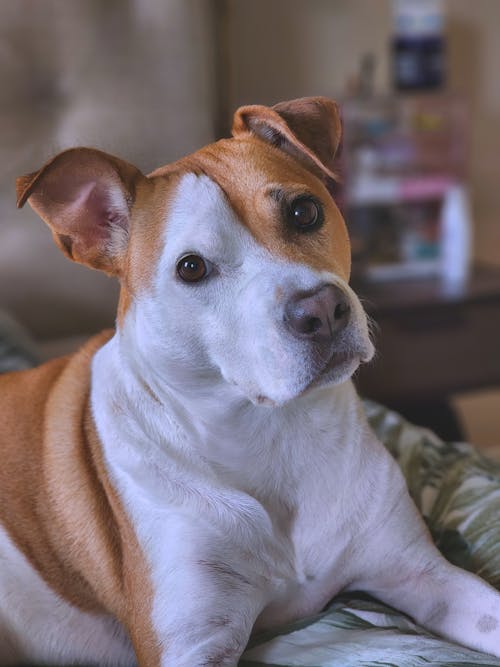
(234, 262)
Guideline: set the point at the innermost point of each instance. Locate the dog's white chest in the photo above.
(251, 506)
(321, 541)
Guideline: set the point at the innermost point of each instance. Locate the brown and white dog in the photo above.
(206, 469)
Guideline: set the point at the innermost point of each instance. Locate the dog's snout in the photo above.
(318, 315)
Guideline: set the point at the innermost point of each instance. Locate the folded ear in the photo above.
(308, 128)
(85, 196)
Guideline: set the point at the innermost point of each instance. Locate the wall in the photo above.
(474, 69)
(288, 48)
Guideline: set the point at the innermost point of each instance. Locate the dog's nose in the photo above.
(318, 315)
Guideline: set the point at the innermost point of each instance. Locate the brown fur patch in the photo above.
(247, 168)
(146, 235)
(56, 500)
(26, 508)
(66, 243)
(137, 587)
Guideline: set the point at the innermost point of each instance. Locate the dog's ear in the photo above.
(85, 196)
(308, 128)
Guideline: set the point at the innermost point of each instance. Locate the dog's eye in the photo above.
(305, 214)
(192, 268)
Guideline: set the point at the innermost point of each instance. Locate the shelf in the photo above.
(389, 190)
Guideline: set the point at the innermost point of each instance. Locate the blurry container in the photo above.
(456, 238)
(418, 45)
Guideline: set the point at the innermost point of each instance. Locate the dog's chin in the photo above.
(339, 368)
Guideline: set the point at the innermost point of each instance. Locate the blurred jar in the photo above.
(418, 46)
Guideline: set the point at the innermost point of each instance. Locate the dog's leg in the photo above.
(202, 616)
(448, 601)
(407, 571)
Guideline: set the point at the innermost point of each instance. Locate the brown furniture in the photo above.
(431, 344)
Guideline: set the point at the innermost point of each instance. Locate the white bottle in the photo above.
(456, 237)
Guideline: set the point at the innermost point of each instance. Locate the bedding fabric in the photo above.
(457, 491)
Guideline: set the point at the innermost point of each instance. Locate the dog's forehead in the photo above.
(247, 171)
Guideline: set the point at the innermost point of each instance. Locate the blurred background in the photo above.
(418, 83)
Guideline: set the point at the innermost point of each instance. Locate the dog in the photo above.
(206, 470)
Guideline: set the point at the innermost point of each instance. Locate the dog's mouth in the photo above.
(340, 365)
(314, 370)
(339, 368)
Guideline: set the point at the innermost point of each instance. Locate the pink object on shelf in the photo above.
(425, 187)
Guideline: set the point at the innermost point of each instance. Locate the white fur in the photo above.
(250, 514)
(231, 326)
(37, 625)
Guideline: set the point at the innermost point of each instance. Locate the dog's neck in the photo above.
(212, 423)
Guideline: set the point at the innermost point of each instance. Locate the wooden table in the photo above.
(432, 343)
